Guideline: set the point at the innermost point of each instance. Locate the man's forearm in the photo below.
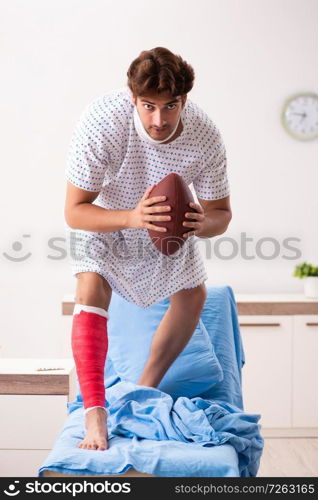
(89, 217)
(216, 222)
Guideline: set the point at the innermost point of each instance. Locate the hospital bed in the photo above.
(197, 428)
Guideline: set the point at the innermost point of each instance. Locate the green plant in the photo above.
(304, 270)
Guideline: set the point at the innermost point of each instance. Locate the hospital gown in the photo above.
(107, 155)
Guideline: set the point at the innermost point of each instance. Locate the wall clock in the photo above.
(299, 116)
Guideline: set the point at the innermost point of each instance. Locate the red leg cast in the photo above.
(89, 346)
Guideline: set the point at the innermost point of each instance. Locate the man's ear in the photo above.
(133, 99)
(184, 99)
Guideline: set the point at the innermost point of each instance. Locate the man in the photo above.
(126, 141)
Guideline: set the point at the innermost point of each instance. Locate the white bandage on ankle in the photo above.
(91, 408)
(98, 310)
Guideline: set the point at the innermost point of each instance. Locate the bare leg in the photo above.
(93, 290)
(173, 333)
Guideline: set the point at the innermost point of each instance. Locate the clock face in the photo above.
(300, 116)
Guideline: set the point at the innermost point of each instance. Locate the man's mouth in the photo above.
(159, 129)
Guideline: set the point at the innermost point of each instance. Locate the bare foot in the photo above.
(96, 425)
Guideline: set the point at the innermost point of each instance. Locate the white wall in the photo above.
(57, 55)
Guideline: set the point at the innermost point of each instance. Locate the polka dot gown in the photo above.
(107, 155)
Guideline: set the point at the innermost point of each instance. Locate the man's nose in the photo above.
(159, 119)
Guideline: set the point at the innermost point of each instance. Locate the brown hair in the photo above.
(160, 70)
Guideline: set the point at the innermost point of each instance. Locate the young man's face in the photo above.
(159, 113)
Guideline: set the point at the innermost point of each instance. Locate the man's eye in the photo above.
(149, 106)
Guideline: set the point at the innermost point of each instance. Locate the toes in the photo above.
(93, 446)
(104, 446)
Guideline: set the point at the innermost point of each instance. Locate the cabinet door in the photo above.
(31, 421)
(267, 373)
(305, 355)
(21, 463)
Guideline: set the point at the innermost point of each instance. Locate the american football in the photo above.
(179, 197)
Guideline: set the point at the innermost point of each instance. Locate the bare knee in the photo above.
(190, 300)
(93, 290)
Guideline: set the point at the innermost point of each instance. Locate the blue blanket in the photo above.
(206, 436)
